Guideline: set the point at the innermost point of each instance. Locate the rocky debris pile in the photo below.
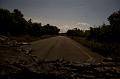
(14, 56)
(61, 69)
(72, 70)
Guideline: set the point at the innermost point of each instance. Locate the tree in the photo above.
(108, 33)
(49, 29)
(13, 23)
(5, 21)
(76, 32)
(114, 20)
(17, 13)
(19, 23)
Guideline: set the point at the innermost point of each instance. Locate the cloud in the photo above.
(83, 26)
(64, 28)
(79, 25)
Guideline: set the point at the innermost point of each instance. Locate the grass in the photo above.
(105, 49)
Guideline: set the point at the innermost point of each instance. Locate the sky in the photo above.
(65, 14)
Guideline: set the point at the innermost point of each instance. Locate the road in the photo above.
(61, 47)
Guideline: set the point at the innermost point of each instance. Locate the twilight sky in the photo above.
(65, 14)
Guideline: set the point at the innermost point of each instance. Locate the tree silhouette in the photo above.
(17, 13)
(114, 20)
(15, 24)
(76, 32)
(108, 33)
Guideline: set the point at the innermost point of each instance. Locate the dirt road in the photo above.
(61, 47)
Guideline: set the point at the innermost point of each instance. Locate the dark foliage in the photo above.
(13, 23)
(108, 33)
(76, 32)
(108, 36)
(104, 39)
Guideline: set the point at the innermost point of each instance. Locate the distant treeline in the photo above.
(14, 23)
(103, 33)
(104, 39)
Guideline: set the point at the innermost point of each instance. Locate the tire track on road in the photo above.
(47, 54)
(90, 57)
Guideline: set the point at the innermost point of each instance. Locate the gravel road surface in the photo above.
(61, 47)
